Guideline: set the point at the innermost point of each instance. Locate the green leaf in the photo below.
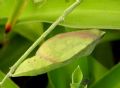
(12, 50)
(77, 77)
(85, 86)
(59, 51)
(91, 68)
(90, 14)
(30, 31)
(8, 83)
(104, 54)
(109, 80)
(111, 35)
(64, 73)
(18, 9)
(96, 70)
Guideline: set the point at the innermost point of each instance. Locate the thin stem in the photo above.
(37, 42)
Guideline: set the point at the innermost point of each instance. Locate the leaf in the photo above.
(77, 77)
(59, 51)
(111, 35)
(96, 70)
(12, 50)
(18, 9)
(91, 68)
(85, 86)
(8, 83)
(30, 31)
(64, 73)
(104, 54)
(109, 80)
(90, 14)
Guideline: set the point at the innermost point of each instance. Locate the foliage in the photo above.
(76, 41)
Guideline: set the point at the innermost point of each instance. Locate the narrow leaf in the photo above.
(18, 9)
(109, 80)
(90, 14)
(64, 73)
(96, 69)
(77, 77)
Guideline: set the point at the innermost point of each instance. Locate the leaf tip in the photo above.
(8, 28)
(77, 75)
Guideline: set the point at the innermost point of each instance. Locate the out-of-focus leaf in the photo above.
(8, 83)
(18, 9)
(64, 73)
(90, 14)
(109, 80)
(8, 6)
(96, 70)
(1, 33)
(12, 50)
(103, 53)
(111, 35)
(30, 31)
(85, 86)
(57, 30)
(77, 77)
(59, 51)
(91, 69)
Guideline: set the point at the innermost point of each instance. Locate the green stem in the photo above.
(37, 42)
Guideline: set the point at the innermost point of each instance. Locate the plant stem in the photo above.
(37, 42)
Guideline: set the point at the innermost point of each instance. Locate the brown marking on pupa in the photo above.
(81, 34)
(47, 57)
(28, 61)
